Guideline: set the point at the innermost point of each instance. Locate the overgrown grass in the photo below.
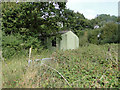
(16, 67)
(88, 66)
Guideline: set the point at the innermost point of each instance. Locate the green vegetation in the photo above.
(103, 19)
(25, 25)
(13, 45)
(89, 66)
(108, 34)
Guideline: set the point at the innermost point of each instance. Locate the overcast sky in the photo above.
(90, 8)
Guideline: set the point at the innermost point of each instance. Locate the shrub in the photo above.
(92, 36)
(11, 44)
(88, 36)
(83, 38)
(109, 33)
(14, 44)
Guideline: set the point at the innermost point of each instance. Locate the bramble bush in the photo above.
(86, 67)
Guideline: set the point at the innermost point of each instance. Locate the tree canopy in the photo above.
(31, 18)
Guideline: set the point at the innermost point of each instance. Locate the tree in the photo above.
(32, 18)
(75, 20)
(102, 19)
(109, 33)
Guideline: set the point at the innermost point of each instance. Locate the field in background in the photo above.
(88, 66)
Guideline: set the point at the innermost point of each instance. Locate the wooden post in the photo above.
(30, 50)
(30, 61)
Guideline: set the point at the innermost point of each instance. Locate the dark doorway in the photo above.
(54, 42)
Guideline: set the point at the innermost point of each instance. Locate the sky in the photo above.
(91, 8)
